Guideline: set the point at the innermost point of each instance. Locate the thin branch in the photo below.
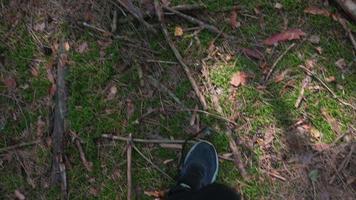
(277, 61)
(202, 24)
(149, 161)
(129, 160)
(179, 57)
(20, 145)
(236, 154)
(88, 165)
(305, 84)
(148, 141)
(327, 87)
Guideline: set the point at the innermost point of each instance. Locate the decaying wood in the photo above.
(129, 160)
(58, 174)
(178, 56)
(193, 20)
(327, 87)
(305, 84)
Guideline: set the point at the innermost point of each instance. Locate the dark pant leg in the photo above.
(210, 192)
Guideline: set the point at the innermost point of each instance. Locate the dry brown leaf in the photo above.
(34, 71)
(330, 79)
(239, 78)
(178, 31)
(315, 39)
(52, 90)
(94, 191)
(253, 53)
(233, 19)
(39, 27)
(280, 77)
(319, 50)
(19, 195)
(156, 194)
(130, 108)
(112, 92)
(310, 63)
(82, 47)
(317, 11)
(269, 136)
(10, 83)
(66, 46)
(278, 6)
(291, 34)
(341, 64)
(40, 127)
(315, 133)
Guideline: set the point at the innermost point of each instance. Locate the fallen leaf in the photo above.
(291, 34)
(39, 27)
(269, 136)
(330, 79)
(66, 46)
(315, 133)
(315, 39)
(233, 19)
(317, 11)
(34, 71)
(156, 193)
(332, 122)
(310, 63)
(112, 92)
(19, 195)
(341, 64)
(52, 90)
(40, 127)
(93, 191)
(319, 50)
(239, 78)
(178, 31)
(253, 53)
(82, 48)
(10, 83)
(278, 6)
(280, 77)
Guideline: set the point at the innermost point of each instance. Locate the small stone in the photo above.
(314, 39)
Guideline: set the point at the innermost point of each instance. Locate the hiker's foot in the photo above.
(200, 166)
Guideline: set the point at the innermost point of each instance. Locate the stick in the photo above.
(58, 175)
(202, 24)
(153, 141)
(327, 88)
(236, 154)
(343, 23)
(188, 7)
(305, 83)
(129, 158)
(149, 161)
(278, 60)
(135, 12)
(88, 165)
(179, 57)
(21, 145)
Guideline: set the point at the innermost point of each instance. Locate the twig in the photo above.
(178, 56)
(202, 24)
(21, 145)
(88, 165)
(327, 88)
(277, 61)
(58, 168)
(344, 163)
(149, 161)
(305, 84)
(149, 141)
(96, 28)
(189, 7)
(129, 159)
(135, 12)
(236, 154)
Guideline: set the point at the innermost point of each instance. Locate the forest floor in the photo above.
(123, 79)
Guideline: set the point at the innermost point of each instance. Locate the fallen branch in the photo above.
(129, 159)
(58, 175)
(178, 56)
(236, 154)
(193, 20)
(277, 61)
(305, 84)
(343, 23)
(20, 145)
(135, 12)
(326, 87)
(88, 165)
(148, 141)
(149, 161)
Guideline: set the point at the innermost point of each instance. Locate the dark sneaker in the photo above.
(200, 166)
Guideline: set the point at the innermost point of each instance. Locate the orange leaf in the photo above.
(178, 31)
(239, 78)
(291, 34)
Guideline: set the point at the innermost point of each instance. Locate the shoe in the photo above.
(200, 166)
